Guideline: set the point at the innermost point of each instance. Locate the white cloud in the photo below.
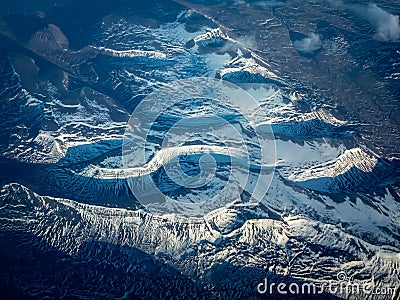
(308, 44)
(387, 25)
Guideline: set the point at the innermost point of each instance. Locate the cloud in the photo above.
(248, 42)
(386, 25)
(309, 44)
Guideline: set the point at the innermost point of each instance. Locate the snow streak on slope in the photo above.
(132, 53)
(350, 159)
(213, 37)
(246, 70)
(353, 170)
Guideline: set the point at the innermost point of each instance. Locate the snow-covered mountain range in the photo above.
(71, 221)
